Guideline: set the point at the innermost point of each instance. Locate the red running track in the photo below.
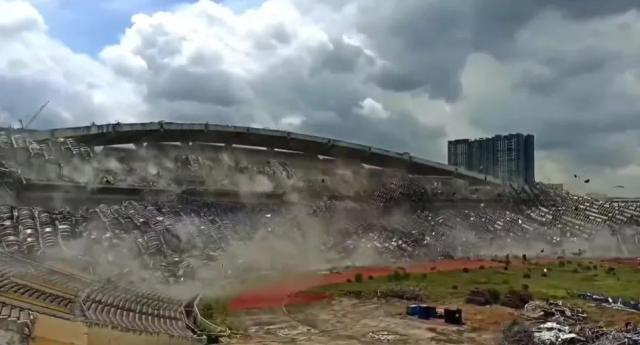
(292, 291)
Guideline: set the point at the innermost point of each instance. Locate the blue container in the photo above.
(412, 310)
(431, 311)
(424, 312)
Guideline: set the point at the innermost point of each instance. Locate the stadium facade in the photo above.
(510, 158)
(112, 232)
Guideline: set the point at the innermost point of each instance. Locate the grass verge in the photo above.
(560, 280)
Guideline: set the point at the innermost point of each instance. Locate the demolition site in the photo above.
(180, 233)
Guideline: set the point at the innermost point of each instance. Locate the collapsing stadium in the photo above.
(94, 217)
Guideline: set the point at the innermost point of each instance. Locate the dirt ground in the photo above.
(349, 321)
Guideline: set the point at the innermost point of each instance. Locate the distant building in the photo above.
(458, 152)
(507, 157)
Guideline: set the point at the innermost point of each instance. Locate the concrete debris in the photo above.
(551, 333)
(612, 302)
(554, 311)
(384, 336)
(558, 324)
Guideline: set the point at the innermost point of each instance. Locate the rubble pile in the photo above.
(554, 311)
(611, 302)
(554, 323)
(552, 333)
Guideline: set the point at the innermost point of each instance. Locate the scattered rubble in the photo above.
(551, 333)
(554, 323)
(553, 311)
(384, 336)
(612, 302)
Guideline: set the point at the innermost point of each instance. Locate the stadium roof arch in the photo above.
(135, 133)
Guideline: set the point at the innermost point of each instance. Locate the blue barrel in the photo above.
(412, 310)
(423, 312)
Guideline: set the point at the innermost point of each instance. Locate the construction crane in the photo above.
(34, 116)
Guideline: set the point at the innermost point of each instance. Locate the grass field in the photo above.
(560, 281)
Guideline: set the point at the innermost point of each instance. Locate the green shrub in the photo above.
(516, 299)
(398, 275)
(494, 295)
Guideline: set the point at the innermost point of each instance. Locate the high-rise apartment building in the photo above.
(458, 152)
(507, 157)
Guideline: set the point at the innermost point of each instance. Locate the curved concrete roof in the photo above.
(127, 133)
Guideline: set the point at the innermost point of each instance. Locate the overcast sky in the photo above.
(405, 75)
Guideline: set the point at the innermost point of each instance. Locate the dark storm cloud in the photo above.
(212, 86)
(495, 22)
(342, 58)
(425, 42)
(400, 136)
(21, 98)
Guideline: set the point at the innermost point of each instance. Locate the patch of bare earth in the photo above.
(350, 321)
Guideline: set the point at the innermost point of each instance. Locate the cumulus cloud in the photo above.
(19, 16)
(403, 75)
(371, 109)
(35, 67)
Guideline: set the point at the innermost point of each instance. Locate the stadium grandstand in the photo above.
(173, 197)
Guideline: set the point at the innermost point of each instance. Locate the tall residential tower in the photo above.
(507, 157)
